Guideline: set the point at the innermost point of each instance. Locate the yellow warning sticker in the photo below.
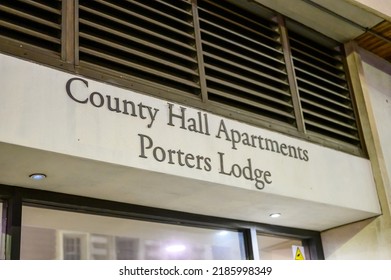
(298, 253)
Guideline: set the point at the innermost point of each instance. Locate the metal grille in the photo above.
(148, 40)
(180, 48)
(324, 93)
(36, 23)
(244, 63)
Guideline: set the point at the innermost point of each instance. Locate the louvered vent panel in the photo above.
(151, 41)
(36, 23)
(324, 92)
(244, 62)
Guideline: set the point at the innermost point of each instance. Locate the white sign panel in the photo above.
(47, 109)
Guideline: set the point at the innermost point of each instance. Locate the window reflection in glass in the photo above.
(54, 234)
(276, 248)
(2, 256)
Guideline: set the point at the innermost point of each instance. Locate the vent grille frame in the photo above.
(206, 54)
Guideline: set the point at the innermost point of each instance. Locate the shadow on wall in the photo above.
(354, 241)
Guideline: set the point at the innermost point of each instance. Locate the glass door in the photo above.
(281, 248)
(2, 232)
(56, 234)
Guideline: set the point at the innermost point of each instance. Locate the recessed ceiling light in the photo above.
(176, 248)
(38, 176)
(223, 233)
(275, 215)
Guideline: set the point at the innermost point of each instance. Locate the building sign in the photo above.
(177, 117)
(53, 111)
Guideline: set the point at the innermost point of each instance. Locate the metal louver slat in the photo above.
(254, 24)
(163, 85)
(325, 117)
(316, 50)
(252, 70)
(48, 5)
(158, 48)
(246, 101)
(340, 79)
(244, 62)
(330, 93)
(330, 109)
(30, 17)
(33, 24)
(126, 10)
(162, 13)
(239, 32)
(36, 34)
(134, 52)
(151, 41)
(224, 52)
(324, 99)
(299, 53)
(329, 83)
(316, 126)
(129, 25)
(245, 47)
(139, 67)
(248, 90)
(176, 6)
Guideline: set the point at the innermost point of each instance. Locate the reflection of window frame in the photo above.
(2, 232)
(153, 250)
(281, 244)
(81, 237)
(101, 247)
(91, 245)
(129, 242)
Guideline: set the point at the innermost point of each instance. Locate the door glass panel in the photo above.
(54, 234)
(278, 248)
(2, 233)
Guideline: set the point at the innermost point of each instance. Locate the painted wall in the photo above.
(379, 7)
(370, 239)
